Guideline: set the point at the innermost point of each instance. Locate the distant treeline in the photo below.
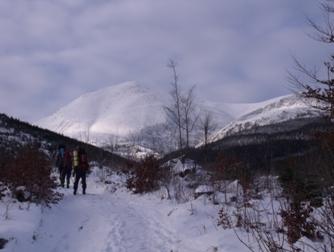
(16, 133)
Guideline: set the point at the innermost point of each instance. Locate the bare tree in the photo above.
(189, 115)
(182, 111)
(316, 84)
(173, 111)
(85, 134)
(112, 143)
(207, 125)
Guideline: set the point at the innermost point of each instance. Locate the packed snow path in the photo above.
(104, 221)
(98, 221)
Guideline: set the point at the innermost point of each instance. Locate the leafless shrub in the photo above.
(31, 170)
(145, 177)
(324, 221)
(265, 229)
(296, 220)
(224, 218)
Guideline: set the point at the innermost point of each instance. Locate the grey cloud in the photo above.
(52, 51)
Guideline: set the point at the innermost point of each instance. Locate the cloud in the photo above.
(53, 51)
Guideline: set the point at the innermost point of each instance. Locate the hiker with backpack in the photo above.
(60, 159)
(80, 169)
(67, 169)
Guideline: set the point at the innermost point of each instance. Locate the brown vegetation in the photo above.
(30, 170)
(145, 177)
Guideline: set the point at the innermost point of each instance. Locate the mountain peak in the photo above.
(125, 87)
(114, 110)
(132, 85)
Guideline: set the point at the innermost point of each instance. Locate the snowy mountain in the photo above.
(129, 110)
(271, 112)
(117, 111)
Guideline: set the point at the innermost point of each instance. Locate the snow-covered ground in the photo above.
(113, 220)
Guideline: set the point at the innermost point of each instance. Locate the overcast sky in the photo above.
(52, 51)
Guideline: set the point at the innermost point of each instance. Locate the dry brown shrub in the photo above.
(31, 169)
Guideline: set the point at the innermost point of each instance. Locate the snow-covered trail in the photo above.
(105, 221)
(98, 221)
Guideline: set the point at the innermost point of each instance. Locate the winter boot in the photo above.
(84, 191)
(74, 192)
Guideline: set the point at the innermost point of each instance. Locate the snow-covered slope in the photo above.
(128, 109)
(118, 110)
(270, 112)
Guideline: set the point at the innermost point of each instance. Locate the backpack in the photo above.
(60, 157)
(83, 161)
(68, 159)
(75, 158)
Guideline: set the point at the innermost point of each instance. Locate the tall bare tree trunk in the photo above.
(174, 110)
(189, 113)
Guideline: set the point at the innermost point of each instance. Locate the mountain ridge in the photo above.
(127, 108)
(275, 111)
(118, 110)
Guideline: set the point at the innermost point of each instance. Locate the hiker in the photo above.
(67, 169)
(60, 159)
(80, 169)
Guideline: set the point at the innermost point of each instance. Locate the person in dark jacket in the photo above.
(67, 169)
(60, 159)
(80, 169)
